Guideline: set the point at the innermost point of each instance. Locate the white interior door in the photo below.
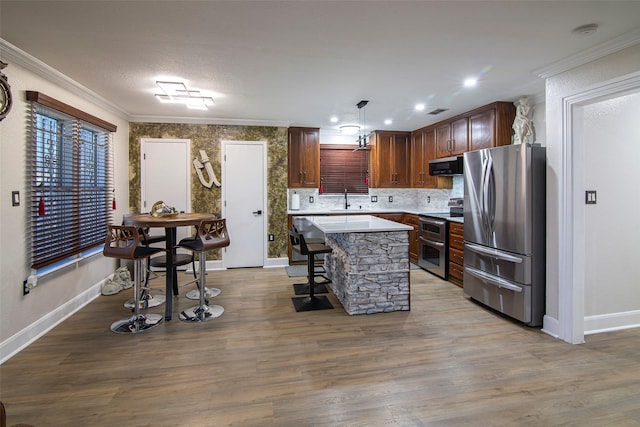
(164, 175)
(244, 202)
(609, 135)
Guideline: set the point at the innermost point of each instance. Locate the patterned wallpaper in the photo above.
(209, 138)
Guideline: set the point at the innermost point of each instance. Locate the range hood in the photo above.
(446, 166)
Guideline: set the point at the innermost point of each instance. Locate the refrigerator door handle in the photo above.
(492, 280)
(493, 253)
(487, 165)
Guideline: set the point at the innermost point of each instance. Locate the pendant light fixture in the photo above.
(363, 136)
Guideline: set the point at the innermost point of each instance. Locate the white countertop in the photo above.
(355, 224)
(364, 211)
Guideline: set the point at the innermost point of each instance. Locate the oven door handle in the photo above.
(435, 222)
(491, 279)
(431, 242)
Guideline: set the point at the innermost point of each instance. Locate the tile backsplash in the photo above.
(403, 198)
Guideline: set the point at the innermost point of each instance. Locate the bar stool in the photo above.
(212, 234)
(123, 242)
(318, 271)
(147, 299)
(312, 302)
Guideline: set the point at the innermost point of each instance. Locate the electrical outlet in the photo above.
(428, 199)
(374, 199)
(271, 237)
(390, 199)
(311, 199)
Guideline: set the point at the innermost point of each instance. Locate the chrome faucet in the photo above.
(346, 200)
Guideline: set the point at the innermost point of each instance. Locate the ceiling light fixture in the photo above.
(420, 107)
(349, 129)
(177, 93)
(363, 137)
(388, 122)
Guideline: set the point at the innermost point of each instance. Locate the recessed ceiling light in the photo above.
(334, 119)
(470, 82)
(420, 107)
(388, 122)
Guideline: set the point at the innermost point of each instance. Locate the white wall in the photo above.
(25, 317)
(560, 321)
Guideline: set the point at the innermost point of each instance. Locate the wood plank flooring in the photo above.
(447, 362)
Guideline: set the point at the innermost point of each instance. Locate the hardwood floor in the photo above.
(447, 362)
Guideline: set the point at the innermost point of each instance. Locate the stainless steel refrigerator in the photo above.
(505, 229)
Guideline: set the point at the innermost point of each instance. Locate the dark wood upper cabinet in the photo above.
(304, 157)
(452, 137)
(484, 127)
(389, 159)
(423, 149)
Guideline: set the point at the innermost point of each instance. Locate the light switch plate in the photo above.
(15, 198)
(590, 197)
(374, 199)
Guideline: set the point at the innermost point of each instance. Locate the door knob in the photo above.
(258, 212)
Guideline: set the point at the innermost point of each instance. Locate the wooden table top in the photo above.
(179, 220)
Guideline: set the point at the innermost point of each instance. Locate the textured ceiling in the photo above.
(300, 62)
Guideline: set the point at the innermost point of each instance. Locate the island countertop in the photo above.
(355, 224)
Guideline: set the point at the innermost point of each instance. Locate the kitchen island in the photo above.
(369, 265)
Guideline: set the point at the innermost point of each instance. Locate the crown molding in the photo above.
(593, 53)
(17, 56)
(207, 121)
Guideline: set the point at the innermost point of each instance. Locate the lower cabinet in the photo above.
(412, 220)
(456, 253)
(397, 217)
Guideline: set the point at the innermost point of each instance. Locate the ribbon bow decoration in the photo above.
(205, 164)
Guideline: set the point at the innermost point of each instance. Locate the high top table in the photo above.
(170, 223)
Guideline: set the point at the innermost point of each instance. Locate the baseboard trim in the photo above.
(21, 340)
(276, 262)
(611, 322)
(551, 326)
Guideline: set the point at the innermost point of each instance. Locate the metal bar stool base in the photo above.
(146, 302)
(311, 303)
(208, 293)
(134, 324)
(303, 288)
(201, 313)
